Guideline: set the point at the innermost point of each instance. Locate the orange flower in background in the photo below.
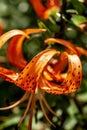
(49, 71)
(45, 11)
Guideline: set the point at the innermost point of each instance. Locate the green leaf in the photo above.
(12, 120)
(71, 108)
(78, 6)
(70, 123)
(82, 97)
(78, 19)
(85, 67)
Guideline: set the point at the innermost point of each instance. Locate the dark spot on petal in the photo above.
(78, 66)
(73, 84)
(73, 74)
(22, 84)
(33, 83)
(79, 77)
(27, 67)
(32, 61)
(74, 68)
(78, 73)
(70, 81)
(27, 74)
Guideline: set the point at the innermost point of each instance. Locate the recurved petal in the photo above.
(8, 75)
(71, 81)
(6, 36)
(39, 8)
(63, 42)
(60, 64)
(82, 51)
(34, 30)
(14, 51)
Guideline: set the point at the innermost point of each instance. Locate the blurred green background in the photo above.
(70, 24)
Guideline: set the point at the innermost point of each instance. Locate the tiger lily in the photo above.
(49, 71)
(42, 11)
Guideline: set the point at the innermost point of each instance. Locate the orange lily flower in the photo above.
(44, 72)
(14, 77)
(42, 11)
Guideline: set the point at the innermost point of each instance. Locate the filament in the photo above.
(43, 110)
(26, 110)
(16, 103)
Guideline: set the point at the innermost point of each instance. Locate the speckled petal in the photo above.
(71, 81)
(8, 75)
(28, 78)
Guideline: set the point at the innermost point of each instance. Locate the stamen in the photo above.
(26, 110)
(43, 110)
(48, 107)
(31, 112)
(16, 103)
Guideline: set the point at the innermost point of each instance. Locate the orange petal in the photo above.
(65, 43)
(33, 30)
(28, 78)
(54, 70)
(61, 64)
(52, 3)
(14, 51)
(39, 8)
(71, 81)
(82, 51)
(9, 34)
(8, 75)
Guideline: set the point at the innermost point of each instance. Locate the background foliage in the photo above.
(69, 24)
